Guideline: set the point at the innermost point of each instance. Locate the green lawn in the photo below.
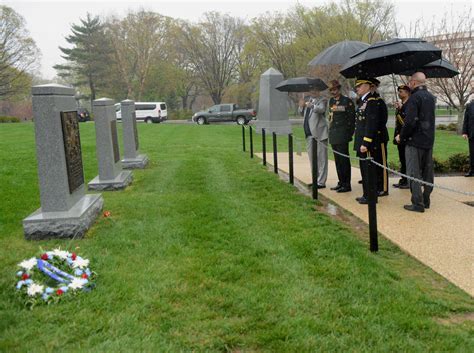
(446, 144)
(209, 252)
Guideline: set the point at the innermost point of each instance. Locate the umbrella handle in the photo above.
(394, 87)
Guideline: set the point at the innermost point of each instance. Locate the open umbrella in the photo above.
(391, 57)
(339, 53)
(436, 69)
(301, 84)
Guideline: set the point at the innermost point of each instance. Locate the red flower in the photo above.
(107, 214)
(84, 275)
(44, 257)
(74, 255)
(25, 276)
(59, 292)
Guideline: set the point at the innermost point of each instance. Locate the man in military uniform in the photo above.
(380, 143)
(368, 130)
(341, 128)
(403, 94)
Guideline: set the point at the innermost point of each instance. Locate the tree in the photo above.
(88, 58)
(457, 42)
(18, 53)
(138, 43)
(210, 48)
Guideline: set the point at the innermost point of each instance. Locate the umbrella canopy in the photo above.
(339, 53)
(301, 84)
(391, 57)
(436, 69)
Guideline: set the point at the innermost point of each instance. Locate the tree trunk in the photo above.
(460, 120)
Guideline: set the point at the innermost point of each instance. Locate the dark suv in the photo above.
(83, 115)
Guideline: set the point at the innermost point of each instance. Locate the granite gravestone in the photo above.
(66, 211)
(272, 109)
(131, 158)
(111, 175)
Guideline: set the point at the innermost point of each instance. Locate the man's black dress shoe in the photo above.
(320, 186)
(337, 187)
(470, 174)
(403, 186)
(414, 208)
(360, 181)
(363, 201)
(382, 193)
(344, 189)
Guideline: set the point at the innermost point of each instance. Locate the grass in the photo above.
(208, 252)
(446, 144)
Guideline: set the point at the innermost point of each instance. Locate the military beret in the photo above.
(375, 81)
(404, 87)
(360, 81)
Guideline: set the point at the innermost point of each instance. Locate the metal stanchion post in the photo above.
(264, 147)
(372, 204)
(314, 169)
(275, 156)
(290, 157)
(243, 138)
(251, 141)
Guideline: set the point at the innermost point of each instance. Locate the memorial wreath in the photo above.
(52, 276)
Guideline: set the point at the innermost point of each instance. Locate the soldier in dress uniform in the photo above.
(403, 94)
(380, 142)
(341, 128)
(368, 130)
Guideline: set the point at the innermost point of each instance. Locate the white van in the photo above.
(149, 112)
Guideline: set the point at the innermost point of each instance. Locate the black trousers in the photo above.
(471, 155)
(343, 164)
(364, 172)
(420, 166)
(380, 156)
(403, 162)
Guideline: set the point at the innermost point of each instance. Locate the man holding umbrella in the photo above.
(341, 129)
(315, 125)
(418, 134)
(403, 94)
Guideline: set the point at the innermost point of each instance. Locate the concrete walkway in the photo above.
(441, 238)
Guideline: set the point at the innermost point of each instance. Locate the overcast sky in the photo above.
(50, 21)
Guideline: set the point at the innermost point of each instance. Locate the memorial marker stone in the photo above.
(111, 175)
(66, 211)
(131, 160)
(272, 108)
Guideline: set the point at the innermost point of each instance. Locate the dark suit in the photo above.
(468, 129)
(380, 142)
(399, 122)
(341, 128)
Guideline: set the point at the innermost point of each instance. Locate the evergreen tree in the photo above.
(87, 60)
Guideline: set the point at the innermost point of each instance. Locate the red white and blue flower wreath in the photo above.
(54, 275)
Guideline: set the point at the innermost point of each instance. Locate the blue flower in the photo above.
(88, 272)
(49, 290)
(69, 261)
(20, 284)
(64, 289)
(45, 296)
(28, 281)
(19, 273)
(78, 272)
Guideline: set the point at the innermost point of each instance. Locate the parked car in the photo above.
(149, 112)
(83, 115)
(224, 112)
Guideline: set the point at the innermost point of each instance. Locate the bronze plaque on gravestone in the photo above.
(115, 146)
(72, 150)
(135, 129)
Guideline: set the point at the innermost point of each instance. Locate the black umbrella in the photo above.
(436, 69)
(301, 84)
(391, 57)
(339, 53)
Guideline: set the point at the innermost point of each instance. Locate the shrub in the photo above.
(439, 166)
(182, 114)
(441, 127)
(452, 127)
(9, 119)
(458, 162)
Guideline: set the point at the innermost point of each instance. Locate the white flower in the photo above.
(80, 262)
(77, 283)
(28, 264)
(34, 289)
(60, 253)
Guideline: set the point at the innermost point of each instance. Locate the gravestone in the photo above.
(111, 175)
(66, 210)
(272, 109)
(131, 158)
